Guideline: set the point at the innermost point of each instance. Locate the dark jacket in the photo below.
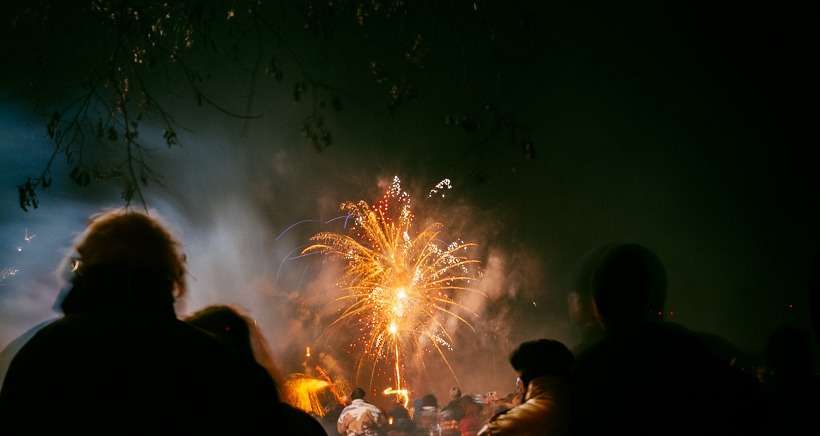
(660, 378)
(149, 373)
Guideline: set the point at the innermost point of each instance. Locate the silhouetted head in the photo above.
(357, 394)
(429, 400)
(540, 358)
(240, 334)
(628, 285)
(238, 331)
(455, 393)
(124, 260)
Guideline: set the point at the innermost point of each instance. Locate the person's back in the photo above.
(452, 413)
(657, 377)
(646, 376)
(119, 360)
(360, 418)
(98, 373)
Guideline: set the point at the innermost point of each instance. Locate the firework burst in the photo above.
(400, 286)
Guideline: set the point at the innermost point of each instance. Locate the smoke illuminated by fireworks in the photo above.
(399, 285)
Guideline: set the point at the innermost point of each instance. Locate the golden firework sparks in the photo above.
(303, 391)
(400, 285)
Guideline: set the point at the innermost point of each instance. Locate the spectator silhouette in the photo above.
(452, 413)
(544, 367)
(427, 418)
(471, 422)
(119, 359)
(646, 376)
(791, 383)
(239, 333)
(398, 411)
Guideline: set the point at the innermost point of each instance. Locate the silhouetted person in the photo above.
(397, 418)
(646, 376)
(452, 413)
(427, 418)
(241, 335)
(360, 418)
(398, 411)
(791, 383)
(471, 422)
(401, 427)
(544, 367)
(118, 359)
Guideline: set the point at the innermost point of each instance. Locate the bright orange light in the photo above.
(399, 282)
(303, 392)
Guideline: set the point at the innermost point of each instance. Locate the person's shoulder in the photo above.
(55, 332)
(193, 338)
(595, 352)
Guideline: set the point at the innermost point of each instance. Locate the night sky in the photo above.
(682, 128)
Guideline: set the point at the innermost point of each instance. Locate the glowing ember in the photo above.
(399, 284)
